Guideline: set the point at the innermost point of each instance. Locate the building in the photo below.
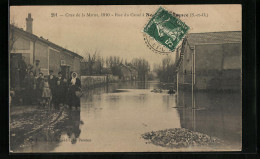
(24, 45)
(128, 73)
(91, 67)
(211, 60)
(134, 73)
(125, 72)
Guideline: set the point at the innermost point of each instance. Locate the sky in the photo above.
(119, 35)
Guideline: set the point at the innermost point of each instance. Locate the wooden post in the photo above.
(192, 81)
(34, 52)
(48, 73)
(194, 74)
(177, 94)
(177, 83)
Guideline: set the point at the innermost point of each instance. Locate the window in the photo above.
(62, 62)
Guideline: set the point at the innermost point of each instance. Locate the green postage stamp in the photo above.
(166, 29)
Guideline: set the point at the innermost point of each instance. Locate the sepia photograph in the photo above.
(125, 78)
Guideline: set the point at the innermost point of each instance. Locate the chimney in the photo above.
(29, 21)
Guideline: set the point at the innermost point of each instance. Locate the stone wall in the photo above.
(93, 81)
(111, 78)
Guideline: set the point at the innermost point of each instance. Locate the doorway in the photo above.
(18, 69)
(65, 70)
(14, 70)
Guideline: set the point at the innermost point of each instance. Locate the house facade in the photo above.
(24, 45)
(211, 61)
(128, 73)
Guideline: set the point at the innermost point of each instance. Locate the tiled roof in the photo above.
(214, 37)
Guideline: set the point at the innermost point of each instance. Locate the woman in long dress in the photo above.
(60, 92)
(74, 85)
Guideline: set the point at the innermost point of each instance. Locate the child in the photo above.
(46, 92)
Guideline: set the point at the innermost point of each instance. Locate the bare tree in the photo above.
(114, 64)
(142, 66)
(13, 37)
(167, 71)
(90, 60)
(14, 67)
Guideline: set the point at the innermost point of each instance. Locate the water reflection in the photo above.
(49, 137)
(115, 117)
(216, 114)
(170, 102)
(112, 118)
(72, 126)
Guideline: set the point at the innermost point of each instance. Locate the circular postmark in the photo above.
(155, 46)
(164, 32)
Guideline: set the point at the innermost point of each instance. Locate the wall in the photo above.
(112, 78)
(50, 57)
(24, 46)
(55, 61)
(218, 66)
(69, 59)
(76, 66)
(185, 67)
(233, 56)
(54, 56)
(91, 81)
(41, 53)
(21, 43)
(208, 57)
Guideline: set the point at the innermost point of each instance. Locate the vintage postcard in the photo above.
(125, 78)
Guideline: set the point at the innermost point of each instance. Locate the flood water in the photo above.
(112, 119)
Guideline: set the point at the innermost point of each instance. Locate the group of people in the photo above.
(51, 90)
